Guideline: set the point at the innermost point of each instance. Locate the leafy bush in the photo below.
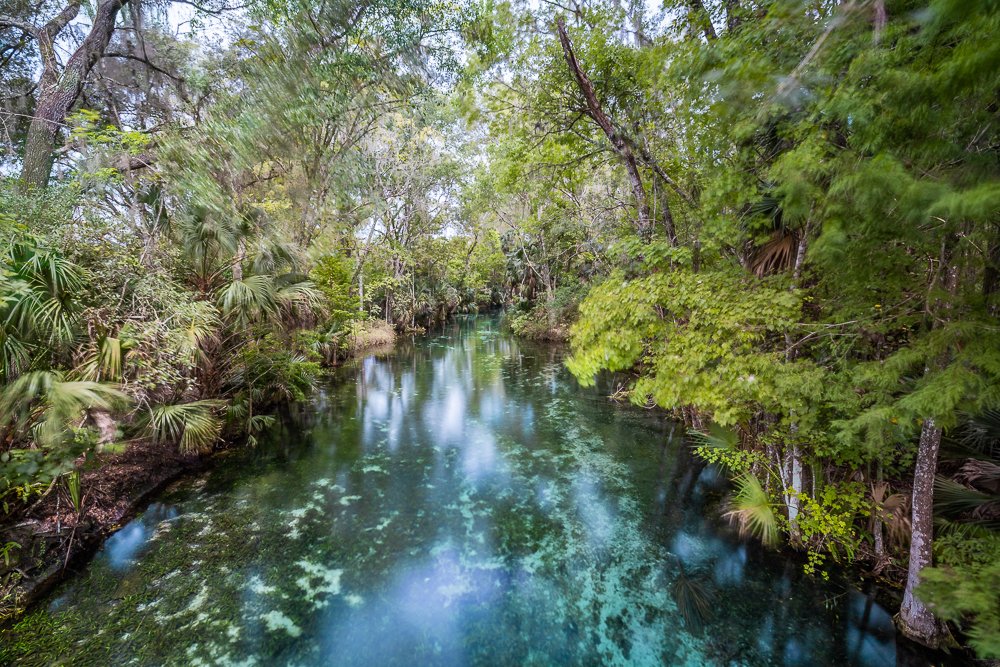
(332, 276)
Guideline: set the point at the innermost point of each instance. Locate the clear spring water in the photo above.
(459, 502)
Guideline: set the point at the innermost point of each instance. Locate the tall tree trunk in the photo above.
(239, 258)
(915, 620)
(58, 91)
(795, 479)
(879, 539)
(361, 290)
(644, 224)
(701, 20)
(793, 501)
(877, 530)
(880, 20)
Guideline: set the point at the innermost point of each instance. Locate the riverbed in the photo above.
(460, 501)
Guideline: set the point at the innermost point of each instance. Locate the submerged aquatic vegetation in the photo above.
(527, 531)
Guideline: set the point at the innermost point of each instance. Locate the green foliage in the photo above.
(87, 129)
(962, 588)
(268, 373)
(73, 485)
(699, 338)
(720, 446)
(45, 404)
(194, 426)
(7, 550)
(39, 411)
(39, 305)
(752, 510)
(828, 285)
(332, 276)
(828, 523)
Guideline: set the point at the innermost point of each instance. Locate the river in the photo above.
(461, 501)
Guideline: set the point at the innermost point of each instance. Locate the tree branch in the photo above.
(23, 26)
(208, 10)
(145, 61)
(621, 147)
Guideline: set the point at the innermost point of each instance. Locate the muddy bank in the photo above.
(43, 544)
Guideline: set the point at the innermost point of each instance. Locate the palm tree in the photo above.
(38, 308)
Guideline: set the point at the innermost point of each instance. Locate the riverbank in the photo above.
(426, 506)
(40, 546)
(45, 542)
(872, 563)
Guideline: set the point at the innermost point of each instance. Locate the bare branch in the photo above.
(215, 11)
(145, 61)
(23, 26)
(621, 146)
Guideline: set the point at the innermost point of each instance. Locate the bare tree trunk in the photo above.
(877, 529)
(58, 91)
(700, 19)
(881, 19)
(793, 500)
(105, 424)
(644, 225)
(239, 258)
(361, 290)
(915, 620)
(879, 539)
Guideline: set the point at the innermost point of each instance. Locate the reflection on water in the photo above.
(121, 548)
(462, 502)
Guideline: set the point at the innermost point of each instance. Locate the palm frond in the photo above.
(42, 401)
(957, 501)
(984, 475)
(259, 423)
(248, 300)
(752, 510)
(302, 293)
(105, 361)
(982, 433)
(962, 530)
(194, 426)
(893, 510)
(272, 256)
(198, 330)
(717, 437)
(15, 356)
(775, 256)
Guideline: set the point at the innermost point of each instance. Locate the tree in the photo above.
(59, 87)
(644, 224)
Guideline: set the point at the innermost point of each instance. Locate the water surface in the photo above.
(461, 502)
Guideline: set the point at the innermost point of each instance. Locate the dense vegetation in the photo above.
(779, 220)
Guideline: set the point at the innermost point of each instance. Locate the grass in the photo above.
(371, 333)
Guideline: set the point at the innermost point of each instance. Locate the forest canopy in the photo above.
(778, 220)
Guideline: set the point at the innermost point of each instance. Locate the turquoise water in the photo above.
(460, 502)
